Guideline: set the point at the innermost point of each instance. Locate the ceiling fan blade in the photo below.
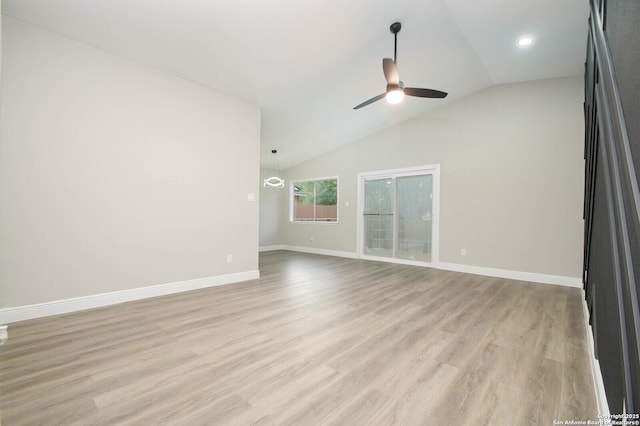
(370, 101)
(424, 93)
(390, 71)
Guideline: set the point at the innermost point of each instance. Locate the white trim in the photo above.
(512, 275)
(596, 373)
(57, 307)
(404, 171)
(398, 260)
(271, 248)
(324, 252)
(4, 334)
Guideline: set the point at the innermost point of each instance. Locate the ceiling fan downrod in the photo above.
(395, 29)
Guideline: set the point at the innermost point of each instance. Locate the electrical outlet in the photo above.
(463, 252)
(229, 258)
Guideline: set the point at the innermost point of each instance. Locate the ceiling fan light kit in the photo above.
(394, 95)
(396, 91)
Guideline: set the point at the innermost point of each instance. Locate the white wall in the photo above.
(0, 45)
(511, 177)
(115, 176)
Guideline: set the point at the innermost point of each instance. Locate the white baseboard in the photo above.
(512, 275)
(270, 248)
(57, 307)
(325, 252)
(596, 373)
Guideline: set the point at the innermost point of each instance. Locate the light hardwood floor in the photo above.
(316, 340)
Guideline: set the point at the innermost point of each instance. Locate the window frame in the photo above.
(292, 184)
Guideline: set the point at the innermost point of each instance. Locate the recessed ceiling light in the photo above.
(525, 41)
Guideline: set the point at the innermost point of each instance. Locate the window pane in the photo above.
(378, 217)
(414, 217)
(303, 195)
(315, 201)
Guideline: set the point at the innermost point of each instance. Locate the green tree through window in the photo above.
(315, 200)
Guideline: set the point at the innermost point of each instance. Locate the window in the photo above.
(314, 200)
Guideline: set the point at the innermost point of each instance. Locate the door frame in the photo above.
(432, 169)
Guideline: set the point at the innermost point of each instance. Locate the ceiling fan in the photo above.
(395, 87)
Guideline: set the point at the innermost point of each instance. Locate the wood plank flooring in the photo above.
(315, 341)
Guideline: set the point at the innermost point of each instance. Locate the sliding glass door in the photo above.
(399, 215)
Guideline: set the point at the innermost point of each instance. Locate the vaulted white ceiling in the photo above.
(309, 62)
